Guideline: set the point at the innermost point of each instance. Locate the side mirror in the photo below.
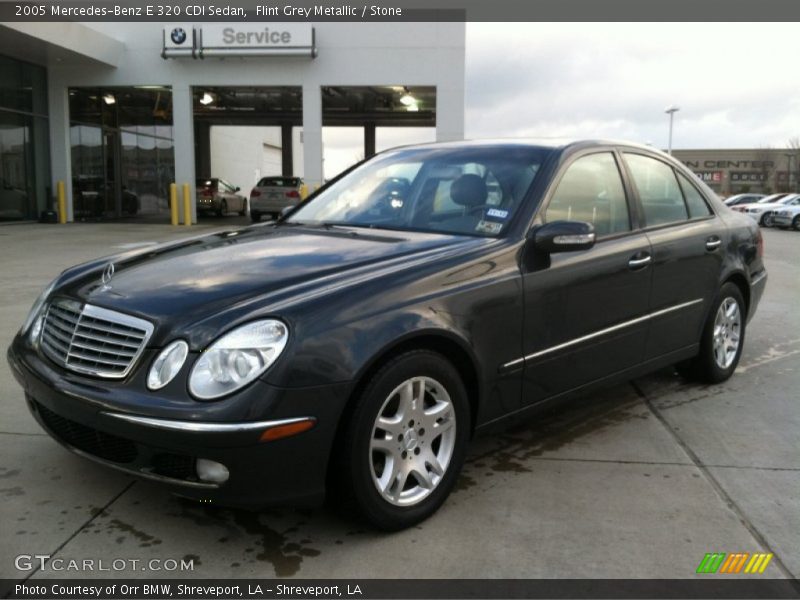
(564, 236)
(237, 189)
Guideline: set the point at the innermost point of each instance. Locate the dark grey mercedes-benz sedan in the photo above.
(357, 344)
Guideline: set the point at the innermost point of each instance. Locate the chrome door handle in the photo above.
(713, 244)
(637, 263)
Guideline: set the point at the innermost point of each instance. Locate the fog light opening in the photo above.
(211, 471)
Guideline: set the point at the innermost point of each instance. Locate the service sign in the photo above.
(240, 39)
(257, 35)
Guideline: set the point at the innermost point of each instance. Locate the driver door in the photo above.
(584, 309)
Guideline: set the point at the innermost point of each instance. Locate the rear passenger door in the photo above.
(687, 241)
(584, 310)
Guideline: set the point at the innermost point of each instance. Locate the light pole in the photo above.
(671, 110)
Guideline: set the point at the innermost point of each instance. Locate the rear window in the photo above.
(291, 182)
(207, 183)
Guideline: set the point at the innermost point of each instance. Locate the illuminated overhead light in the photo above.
(414, 107)
(408, 100)
(206, 99)
(109, 99)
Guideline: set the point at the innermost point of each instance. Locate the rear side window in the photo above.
(694, 200)
(591, 190)
(661, 197)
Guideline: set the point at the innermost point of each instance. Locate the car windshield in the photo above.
(468, 191)
(770, 199)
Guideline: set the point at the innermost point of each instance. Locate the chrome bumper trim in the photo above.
(201, 427)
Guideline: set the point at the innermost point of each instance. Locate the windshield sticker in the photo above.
(496, 212)
(488, 227)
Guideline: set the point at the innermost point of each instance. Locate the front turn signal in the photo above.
(283, 431)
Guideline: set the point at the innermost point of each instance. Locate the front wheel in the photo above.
(243, 212)
(722, 339)
(407, 439)
(766, 220)
(796, 223)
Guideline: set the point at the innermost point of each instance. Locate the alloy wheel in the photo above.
(413, 440)
(727, 332)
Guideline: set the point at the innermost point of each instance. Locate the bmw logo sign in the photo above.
(178, 35)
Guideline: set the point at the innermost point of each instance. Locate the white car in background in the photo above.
(743, 199)
(761, 212)
(273, 194)
(788, 216)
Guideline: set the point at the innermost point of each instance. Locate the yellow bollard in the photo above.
(173, 204)
(187, 206)
(303, 191)
(62, 202)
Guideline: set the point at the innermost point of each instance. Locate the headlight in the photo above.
(36, 309)
(167, 364)
(237, 358)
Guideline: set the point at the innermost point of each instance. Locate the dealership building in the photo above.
(729, 172)
(118, 111)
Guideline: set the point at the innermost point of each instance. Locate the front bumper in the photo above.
(269, 205)
(98, 421)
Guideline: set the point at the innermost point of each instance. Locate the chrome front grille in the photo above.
(93, 340)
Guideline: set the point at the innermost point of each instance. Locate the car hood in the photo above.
(190, 280)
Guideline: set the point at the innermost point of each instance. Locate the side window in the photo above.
(662, 200)
(694, 199)
(591, 190)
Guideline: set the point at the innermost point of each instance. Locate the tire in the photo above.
(223, 208)
(712, 365)
(766, 220)
(243, 212)
(407, 437)
(255, 217)
(796, 223)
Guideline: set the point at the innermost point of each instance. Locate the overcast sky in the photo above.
(737, 85)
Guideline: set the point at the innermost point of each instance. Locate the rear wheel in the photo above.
(255, 217)
(796, 223)
(405, 444)
(223, 208)
(722, 339)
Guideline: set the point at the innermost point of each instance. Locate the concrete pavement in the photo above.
(636, 481)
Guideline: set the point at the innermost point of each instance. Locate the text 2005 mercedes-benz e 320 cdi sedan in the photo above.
(356, 345)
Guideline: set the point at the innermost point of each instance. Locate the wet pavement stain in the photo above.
(550, 431)
(192, 557)
(6, 473)
(273, 544)
(145, 538)
(464, 482)
(12, 491)
(284, 556)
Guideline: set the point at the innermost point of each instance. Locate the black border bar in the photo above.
(413, 10)
(711, 586)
